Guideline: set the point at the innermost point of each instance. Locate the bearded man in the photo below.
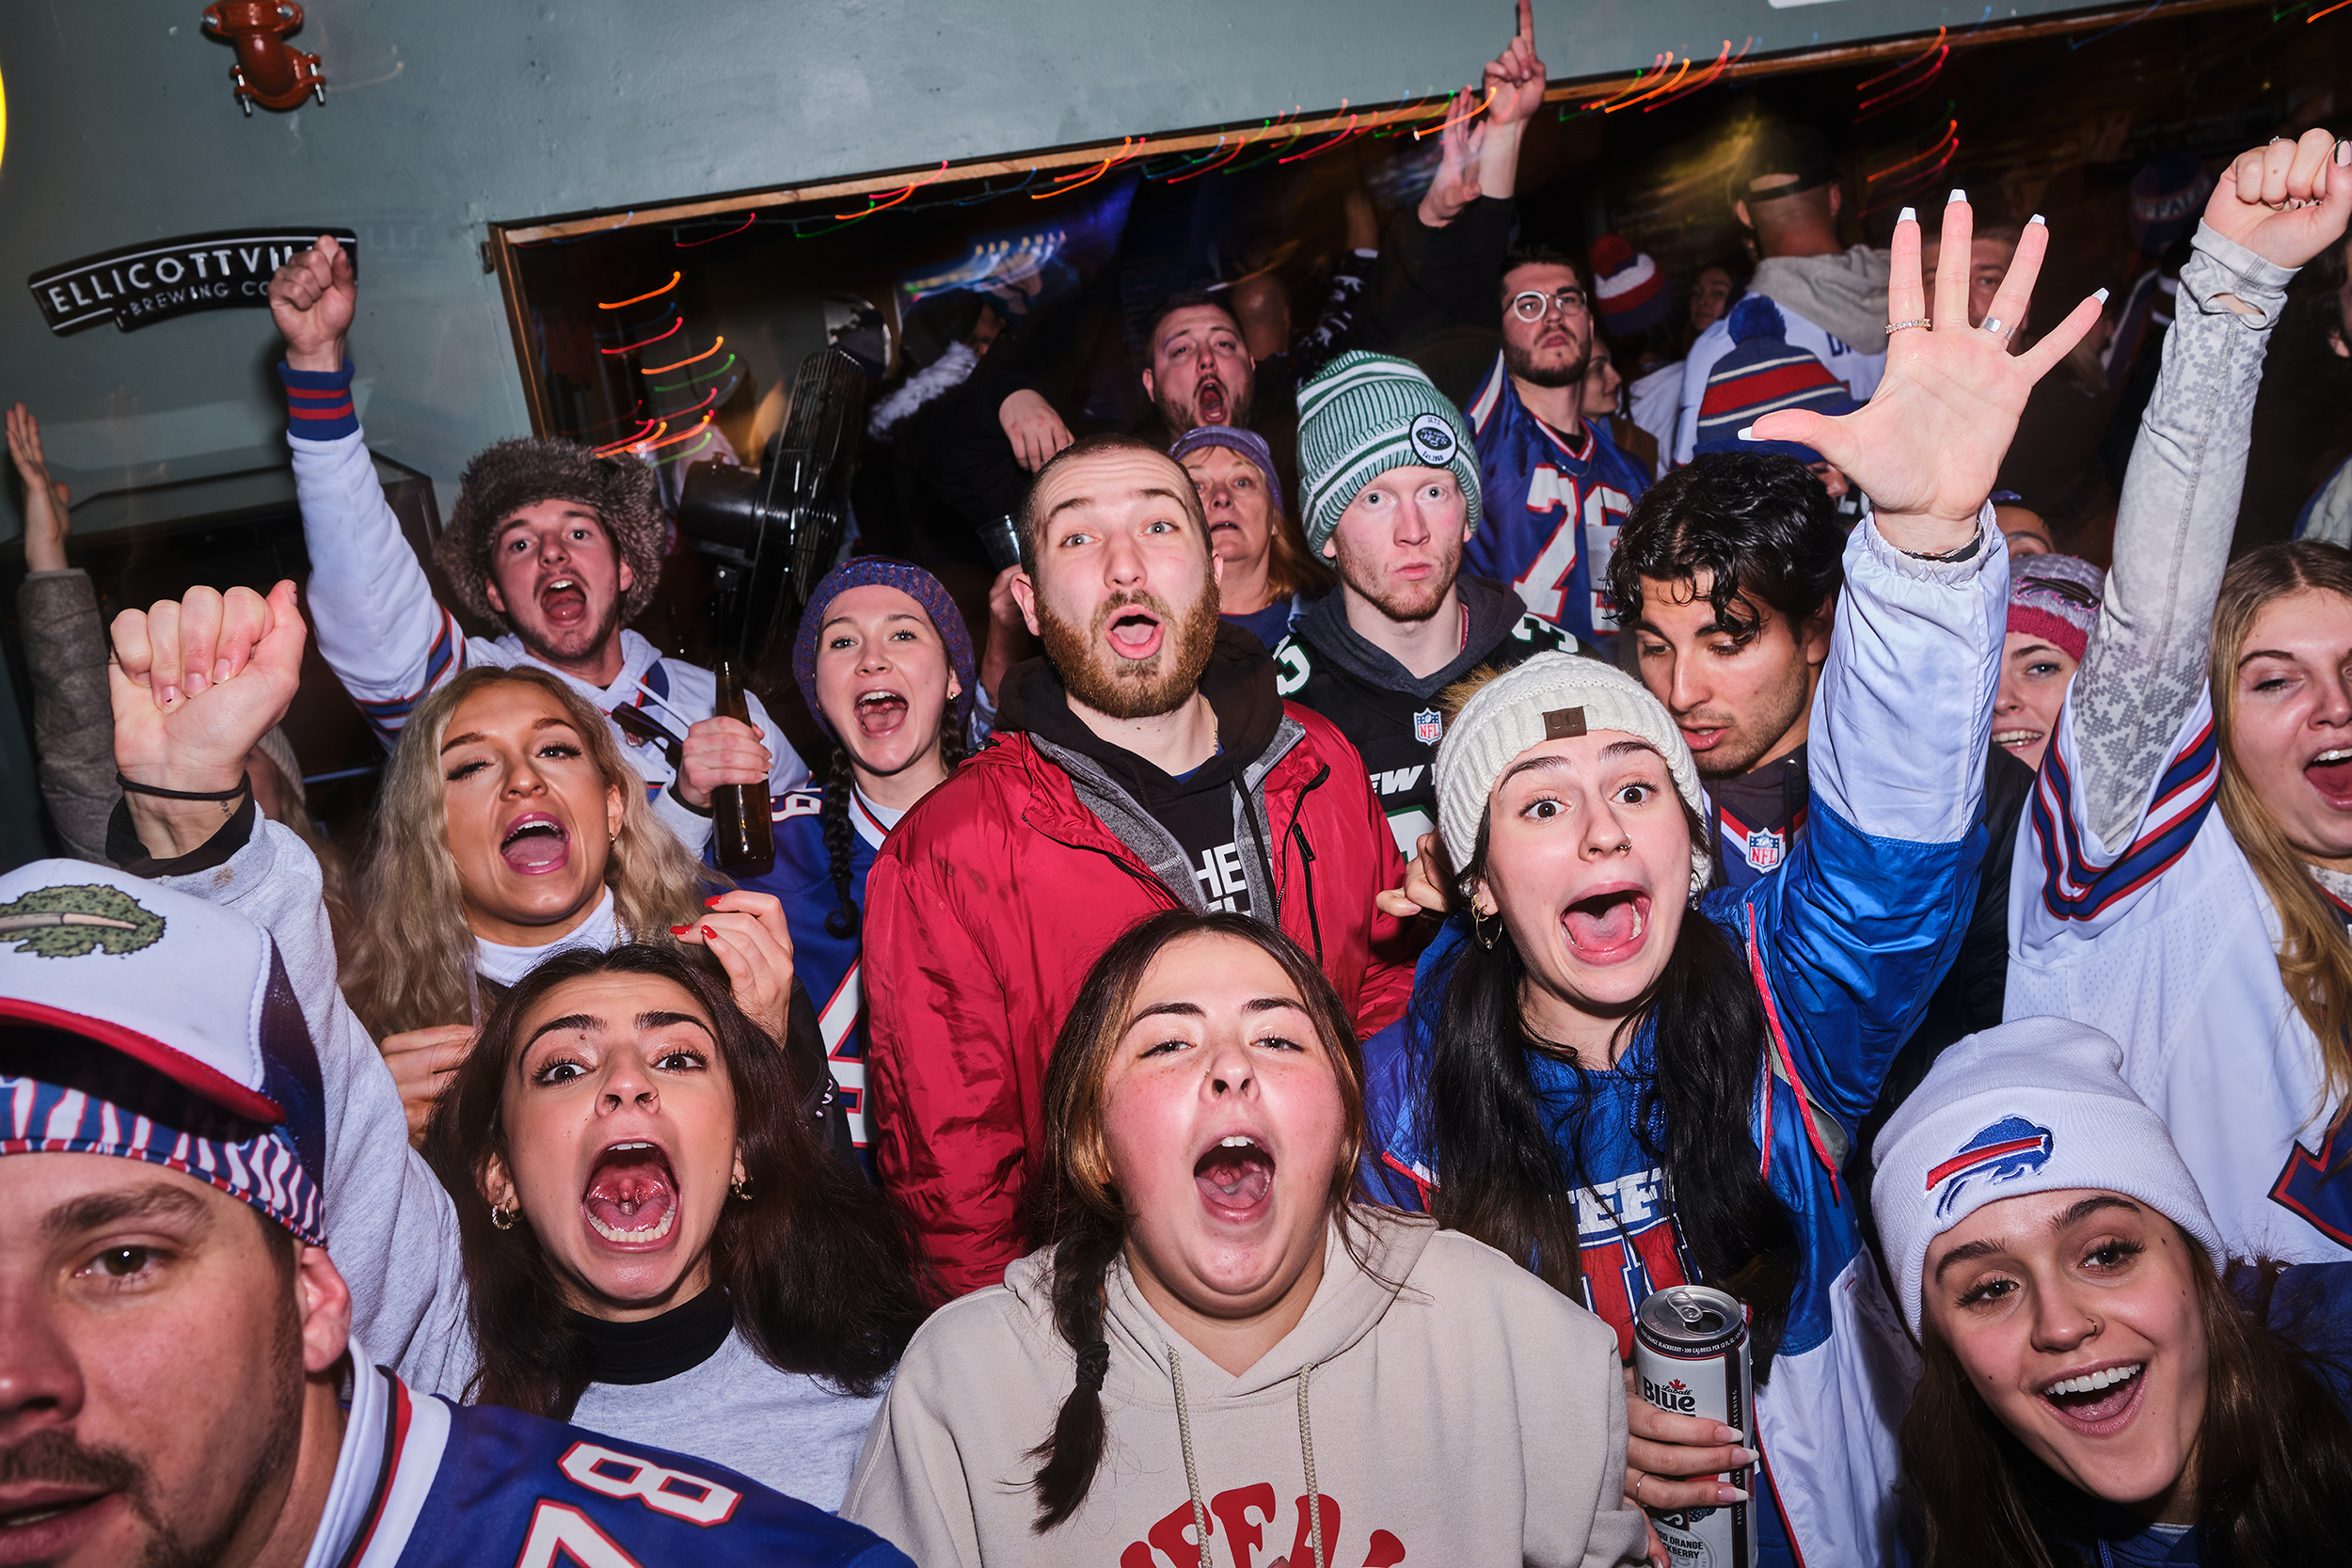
(1556, 488)
(1145, 762)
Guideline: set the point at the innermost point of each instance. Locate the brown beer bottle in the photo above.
(743, 834)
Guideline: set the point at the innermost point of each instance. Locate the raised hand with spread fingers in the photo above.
(1927, 445)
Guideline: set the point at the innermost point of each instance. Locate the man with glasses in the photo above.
(1557, 489)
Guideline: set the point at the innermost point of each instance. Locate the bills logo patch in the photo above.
(1764, 849)
(2010, 1148)
(1428, 725)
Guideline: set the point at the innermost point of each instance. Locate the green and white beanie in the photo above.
(1364, 414)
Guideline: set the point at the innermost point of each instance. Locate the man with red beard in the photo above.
(1146, 763)
(557, 544)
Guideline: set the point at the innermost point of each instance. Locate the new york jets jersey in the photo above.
(1392, 719)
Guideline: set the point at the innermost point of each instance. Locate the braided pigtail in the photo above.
(1073, 1452)
(840, 841)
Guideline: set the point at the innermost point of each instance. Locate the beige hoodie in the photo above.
(1476, 1416)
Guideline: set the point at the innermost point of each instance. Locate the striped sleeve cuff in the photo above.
(318, 403)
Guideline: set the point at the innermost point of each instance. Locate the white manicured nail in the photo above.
(1747, 433)
(2038, 218)
(2101, 296)
(1909, 215)
(1957, 195)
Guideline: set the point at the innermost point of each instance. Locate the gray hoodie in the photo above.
(1443, 1404)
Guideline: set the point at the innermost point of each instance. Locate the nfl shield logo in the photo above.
(1428, 724)
(1764, 849)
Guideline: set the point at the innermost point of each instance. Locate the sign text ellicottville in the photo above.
(151, 282)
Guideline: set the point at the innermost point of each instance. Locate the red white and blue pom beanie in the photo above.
(1762, 374)
(141, 1023)
(2038, 1105)
(1628, 289)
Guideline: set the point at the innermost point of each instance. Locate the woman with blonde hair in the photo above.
(1219, 1350)
(510, 829)
(2210, 942)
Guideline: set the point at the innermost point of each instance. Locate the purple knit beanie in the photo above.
(1233, 438)
(916, 584)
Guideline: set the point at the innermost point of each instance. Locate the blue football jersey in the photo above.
(827, 965)
(424, 1483)
(1552, 508)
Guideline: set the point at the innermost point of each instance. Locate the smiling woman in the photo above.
(1217, 1310)
(2101, 1382)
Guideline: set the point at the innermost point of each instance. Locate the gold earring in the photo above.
(741, 1188)
(1479, 930)
(502, 1218)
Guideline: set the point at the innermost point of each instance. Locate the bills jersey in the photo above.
(424, 1484)
(1553, 505)
(828, 965)
(2169, 943)
(1758, 816)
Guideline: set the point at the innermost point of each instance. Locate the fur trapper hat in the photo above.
(513, 474)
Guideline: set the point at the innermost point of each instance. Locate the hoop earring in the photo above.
(741, 1188)
(1479, 931)
(502, 1218)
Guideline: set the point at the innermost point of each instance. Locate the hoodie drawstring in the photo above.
(1192, 1472)
(1307, 1452)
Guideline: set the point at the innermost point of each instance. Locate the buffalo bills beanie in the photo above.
(2038, 1105)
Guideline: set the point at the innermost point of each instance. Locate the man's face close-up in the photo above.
(558, 579)
(1126, 591)
(1550, 350)
(152, 1367)
(1735, 695)
(1201, 371)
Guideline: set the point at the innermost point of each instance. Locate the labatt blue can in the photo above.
(1691, 1355)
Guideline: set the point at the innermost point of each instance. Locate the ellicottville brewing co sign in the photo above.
(154, 282)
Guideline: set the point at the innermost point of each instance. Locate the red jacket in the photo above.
(986, 908)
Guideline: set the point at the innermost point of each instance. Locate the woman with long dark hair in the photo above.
(2102, 1384)
(1219, 1341)
(884, 664)
(1627, 1082)
(628, 1215)
(2188, 875)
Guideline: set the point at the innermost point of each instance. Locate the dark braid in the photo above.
(1081, 1262)
(840, 841)
(841, 838)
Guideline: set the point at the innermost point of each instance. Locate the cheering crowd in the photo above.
(1424, 854)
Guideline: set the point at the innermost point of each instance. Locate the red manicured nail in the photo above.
(709, 932)
(680, 930)
(712, 903)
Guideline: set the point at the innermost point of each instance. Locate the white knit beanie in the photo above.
(1548, 697)
(2038, 1105)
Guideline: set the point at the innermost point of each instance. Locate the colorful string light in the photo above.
(681, 364)
(648, 342)
(749, 219)
(1725, 61)
(650, 293)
